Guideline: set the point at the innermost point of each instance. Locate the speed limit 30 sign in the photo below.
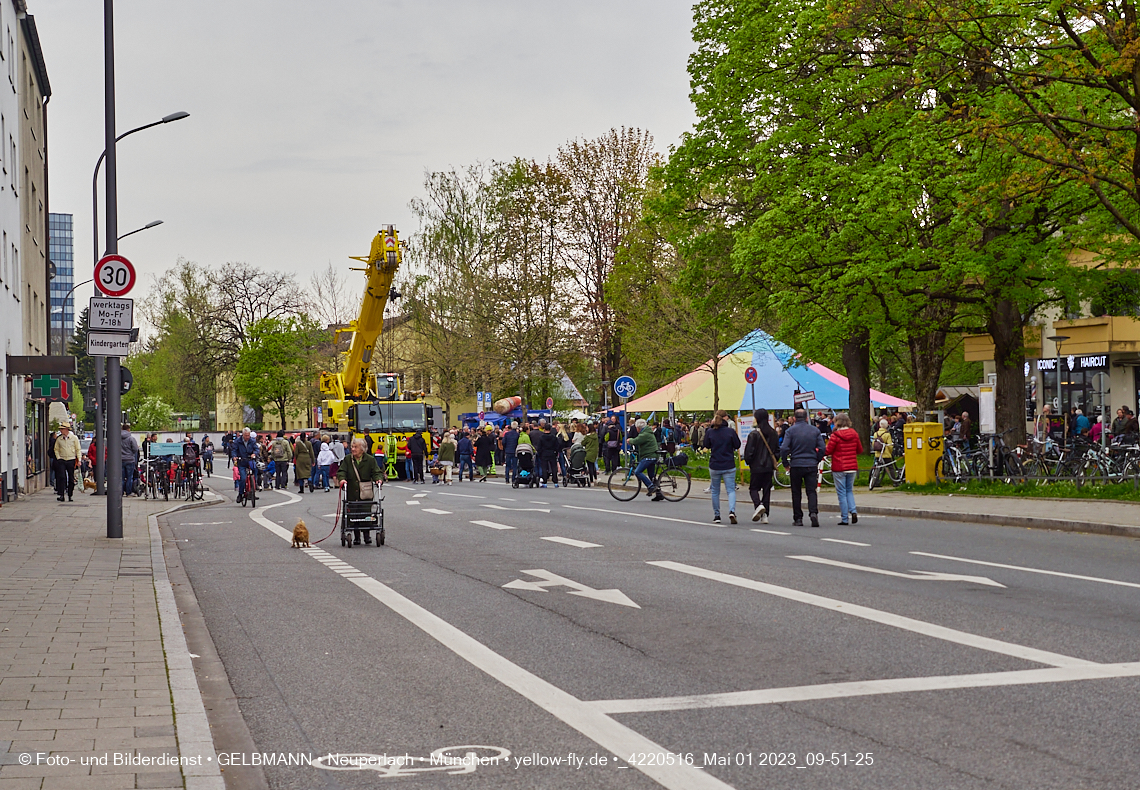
(114, 275)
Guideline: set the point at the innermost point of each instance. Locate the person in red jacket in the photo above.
(844, 447)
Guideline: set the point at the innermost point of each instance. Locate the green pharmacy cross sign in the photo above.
(55, 388)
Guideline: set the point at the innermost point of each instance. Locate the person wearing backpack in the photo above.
(282, 455)
(760, 455)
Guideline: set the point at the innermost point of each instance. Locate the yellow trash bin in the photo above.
(923, 448)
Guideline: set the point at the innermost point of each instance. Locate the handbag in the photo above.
(367, 487)
(612, 444)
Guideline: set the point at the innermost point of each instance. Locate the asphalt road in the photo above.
(663, 650)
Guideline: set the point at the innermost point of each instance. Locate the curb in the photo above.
(191, 726)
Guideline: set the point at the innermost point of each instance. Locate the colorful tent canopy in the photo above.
(780, 374)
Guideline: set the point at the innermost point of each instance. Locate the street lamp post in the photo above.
(176, 116)
(1058, 340)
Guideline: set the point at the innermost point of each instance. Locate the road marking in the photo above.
(492, 524)
(467, 496)
(581, 544)
(507, 499)
(413, 502)
(646, 515)
(536, 502)
(576, 588)
(1029, 570)
(582, 716)
(920, 575)
(203, 523)
(437, 512)
(406, 488)
(771, 532)
(848, 542)
(518, 509)
(863, 688)
(886, 618)
(329, 515)
(418, 496)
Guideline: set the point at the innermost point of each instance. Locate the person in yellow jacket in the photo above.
(67, 454)
(883, 436)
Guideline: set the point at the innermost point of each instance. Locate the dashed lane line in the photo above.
(436, 511)
(580, 544)
(848, 542)
(492, 524)
(770, 531)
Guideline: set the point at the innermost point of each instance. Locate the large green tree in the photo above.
(277, 364)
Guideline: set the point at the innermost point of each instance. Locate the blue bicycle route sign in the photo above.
(625, 387)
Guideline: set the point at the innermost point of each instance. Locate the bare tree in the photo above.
(606, 179)
(332, 299)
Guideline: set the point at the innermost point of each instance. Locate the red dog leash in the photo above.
(336, 524)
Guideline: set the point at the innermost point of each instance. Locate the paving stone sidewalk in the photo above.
(83, 672)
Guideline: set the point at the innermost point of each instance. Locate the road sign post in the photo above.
(750, 377)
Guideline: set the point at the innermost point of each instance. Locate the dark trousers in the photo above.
(550, 470)
(282, 474)
(466, 462)
(418, 468)
(760, 488)
(610, 456)
(804, 476)
(64, 477)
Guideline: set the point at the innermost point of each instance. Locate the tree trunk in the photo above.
(926, 354)
(857, 363)
(1006, 328)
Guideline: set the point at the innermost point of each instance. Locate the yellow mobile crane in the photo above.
(375, 408)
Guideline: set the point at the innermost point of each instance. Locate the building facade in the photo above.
(12, 445)
(61, 254)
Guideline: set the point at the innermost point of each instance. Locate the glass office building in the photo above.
(61, 253)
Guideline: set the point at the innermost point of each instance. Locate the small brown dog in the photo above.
(88, 484)
(301, 536)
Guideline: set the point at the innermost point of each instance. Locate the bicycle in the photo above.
(892, 467)
(249, 491)
(208, 463)
(673, 481)
(194, 488)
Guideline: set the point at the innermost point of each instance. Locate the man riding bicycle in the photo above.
(245, 454)
(645, 443)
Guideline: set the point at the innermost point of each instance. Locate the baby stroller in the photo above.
(525, 475)
(578, 473)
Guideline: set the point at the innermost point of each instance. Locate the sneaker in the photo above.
(708, 490)
(763, 519)
(543, 485)
(658, 496)
(798, 522)
(732, 517)
(854, 517)
(814, 520)
(716, 519)
(841, 523)
(556, 485)
(758, 513)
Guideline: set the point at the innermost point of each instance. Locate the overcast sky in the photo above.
(312, 123)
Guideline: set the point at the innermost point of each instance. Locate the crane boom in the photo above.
(354, 383)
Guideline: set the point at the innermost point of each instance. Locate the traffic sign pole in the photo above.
(114, 405)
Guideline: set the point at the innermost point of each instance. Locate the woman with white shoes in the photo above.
(760, 455)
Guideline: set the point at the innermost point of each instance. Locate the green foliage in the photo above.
(277, 364)
(151, 413)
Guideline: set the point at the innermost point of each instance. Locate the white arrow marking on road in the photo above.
(437, 512)
(553, 580)
(581, 544)
(848, 542)
(492, 524)
(520, 509)
(923, 575)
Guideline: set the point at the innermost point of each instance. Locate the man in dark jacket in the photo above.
(801, 451)
(465, 450)
(245, 452)
(611, 444)
(418, 448)
(508, 443)
(547, 449)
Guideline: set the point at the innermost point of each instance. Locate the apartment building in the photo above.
(12, 406)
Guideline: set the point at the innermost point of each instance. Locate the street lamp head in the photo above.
(176, 116)
(153, 224)
(1058, 338)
